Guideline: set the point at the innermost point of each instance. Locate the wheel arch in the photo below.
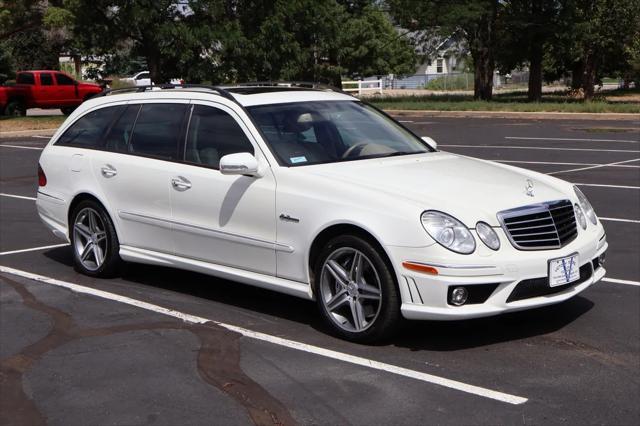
(334, 230)
(83, 196)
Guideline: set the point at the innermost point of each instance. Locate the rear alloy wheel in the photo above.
(356, 291)
(15, 109)
(94, 241)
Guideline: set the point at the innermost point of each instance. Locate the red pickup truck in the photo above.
(44, 89)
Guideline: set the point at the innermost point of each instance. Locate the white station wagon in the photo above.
(315, 194)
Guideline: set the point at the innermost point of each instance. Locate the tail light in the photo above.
(42, 178)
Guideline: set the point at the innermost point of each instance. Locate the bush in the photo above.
(116, 83)
(453, 82)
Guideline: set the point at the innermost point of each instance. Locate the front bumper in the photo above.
(504, 281)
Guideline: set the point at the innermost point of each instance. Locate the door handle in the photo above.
(180, 183)
(108, 171)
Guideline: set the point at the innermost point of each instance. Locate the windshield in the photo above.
(305, 133)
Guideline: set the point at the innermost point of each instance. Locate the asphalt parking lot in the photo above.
(162, 346)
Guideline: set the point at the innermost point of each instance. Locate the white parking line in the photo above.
(572, 139)
(548, 148)
(405, 121)
(608, 186)
(594, 167)
(4, 253)
(292, 344)
(41, 137)
(21, 197)
(611, 219)
(554, 163)
(19, 146)
(616, 281)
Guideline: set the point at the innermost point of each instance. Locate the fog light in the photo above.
(602, 258)
(459, 296)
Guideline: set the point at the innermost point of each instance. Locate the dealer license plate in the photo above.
(564, 270)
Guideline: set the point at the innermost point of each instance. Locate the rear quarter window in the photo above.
(88, 131)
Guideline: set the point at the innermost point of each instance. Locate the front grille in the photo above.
(537, 287)
(542, 226)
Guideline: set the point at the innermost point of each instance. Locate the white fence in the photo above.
(362, 86)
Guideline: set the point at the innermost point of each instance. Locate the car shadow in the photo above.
(208, 287)
(412, 335)
(466, 334)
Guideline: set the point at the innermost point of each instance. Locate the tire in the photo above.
(90, 227)
(340, 288)
(67, 110)
(15, 109)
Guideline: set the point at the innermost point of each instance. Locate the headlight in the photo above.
(580, 216)
(448, 232)
(586, 205)
(488, 235)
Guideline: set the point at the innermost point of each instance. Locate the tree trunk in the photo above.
(154, 68)
(589, 80)
(535, 72)
(483, 76)
(577, 74)
(483, 45)
(77, 63)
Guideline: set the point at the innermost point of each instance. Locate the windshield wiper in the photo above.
(394, 154)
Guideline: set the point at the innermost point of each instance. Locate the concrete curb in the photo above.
(516, 114)
(18, 133)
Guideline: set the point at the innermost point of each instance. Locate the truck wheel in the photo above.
(67, 110)
(15, 109)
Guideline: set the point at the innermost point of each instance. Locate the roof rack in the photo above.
(225, 91)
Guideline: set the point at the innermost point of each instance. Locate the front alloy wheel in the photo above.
(356, 290)
(350, 289)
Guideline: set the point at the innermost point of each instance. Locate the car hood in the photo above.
(89, 86)
(467, 188)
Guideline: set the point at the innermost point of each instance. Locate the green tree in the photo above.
(529, 27)
(174, 40)
(32, 34)
(478, 21)
(596, 38)
(319, 40)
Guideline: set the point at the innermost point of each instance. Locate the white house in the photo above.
(449, 56)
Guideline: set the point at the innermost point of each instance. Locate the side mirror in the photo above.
(241, 163)
(433, 144)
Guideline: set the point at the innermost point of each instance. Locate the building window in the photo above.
(439, 63)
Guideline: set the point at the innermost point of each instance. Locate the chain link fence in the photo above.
(447, 82)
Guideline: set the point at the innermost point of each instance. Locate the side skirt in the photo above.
(293, 288)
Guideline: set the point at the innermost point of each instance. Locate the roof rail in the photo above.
(139, 89)
(300, 84)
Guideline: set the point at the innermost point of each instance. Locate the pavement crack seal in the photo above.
(218, 364)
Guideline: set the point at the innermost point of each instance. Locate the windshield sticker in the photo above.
(295, 160)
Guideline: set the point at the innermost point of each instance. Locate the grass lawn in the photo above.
(10, 124)
(513, 101)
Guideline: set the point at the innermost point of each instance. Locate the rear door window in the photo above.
(64, 80)
(89, 130)
(25, 78)
(157, 131)
(46, 79)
